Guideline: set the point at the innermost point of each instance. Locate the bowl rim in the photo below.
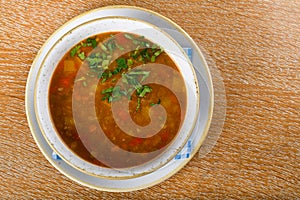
(65, 32)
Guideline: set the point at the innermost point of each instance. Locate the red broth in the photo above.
(134, 75)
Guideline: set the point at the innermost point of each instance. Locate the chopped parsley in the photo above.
(76, 50)
(91, 42)
(81, 55)
(154, 104)
(100, 59)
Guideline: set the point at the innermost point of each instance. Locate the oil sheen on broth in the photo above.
(106, 70)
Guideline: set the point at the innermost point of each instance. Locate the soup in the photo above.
(117, 99)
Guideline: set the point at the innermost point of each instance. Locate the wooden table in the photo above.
(254, 44)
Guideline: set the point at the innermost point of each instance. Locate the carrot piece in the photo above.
(69, 66)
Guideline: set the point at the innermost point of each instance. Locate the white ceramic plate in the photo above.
(197, 137)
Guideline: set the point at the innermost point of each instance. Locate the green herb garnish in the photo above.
(112, 94)
(108, 90)
(103, 47)
(81, 55)
(120, 47)
(129, 62)
(91, 42)
(157, 103)
(128, 36)
(144, 90)
(94, 60)
(138, 104)
(145, 55)
(121, 64)
(74, 50)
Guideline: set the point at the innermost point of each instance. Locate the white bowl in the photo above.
(78, 31)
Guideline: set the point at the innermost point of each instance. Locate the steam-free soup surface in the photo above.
(117, 100)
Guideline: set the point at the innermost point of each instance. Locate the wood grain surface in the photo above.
(256, 47)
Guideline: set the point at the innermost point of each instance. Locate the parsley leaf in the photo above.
(153, 104)
(81, 55)
(74, 50)
(142, 91)
(122, 63)
(91, 42)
